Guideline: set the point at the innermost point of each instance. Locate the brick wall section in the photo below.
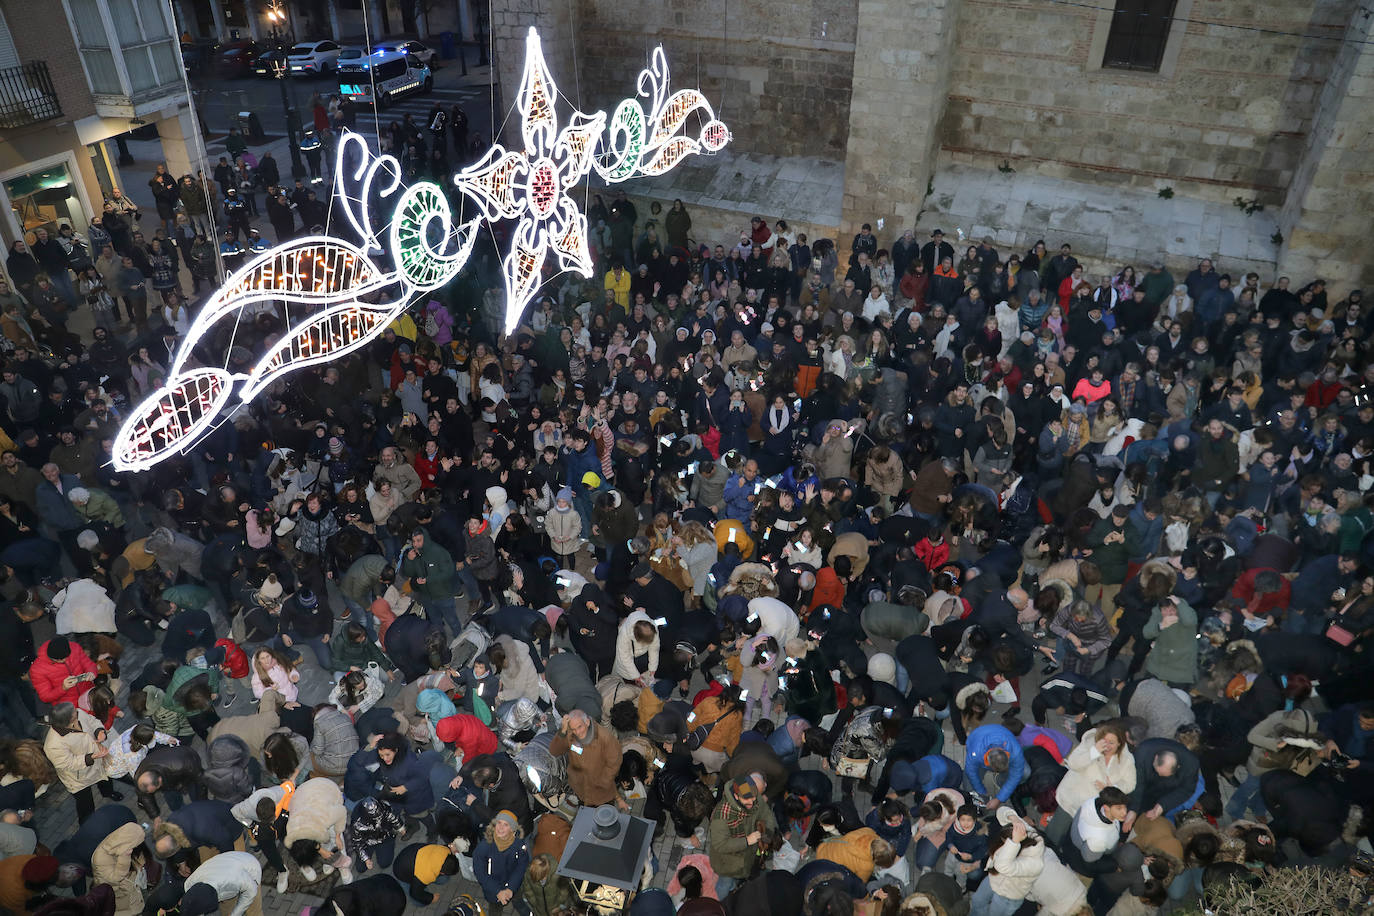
(1325, 219)
(901, 77)
(1230, 120)
(41, 32)
(778, 73)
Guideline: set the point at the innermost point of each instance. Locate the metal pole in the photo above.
(292, 121)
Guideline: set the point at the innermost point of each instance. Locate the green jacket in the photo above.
(1173, 657)
(1157, 286)
(195, 597)
(731, 854)
(547, 899)
(434, 564)
(349, 655)
(101, 508)
(361, 581)
(1112, 558)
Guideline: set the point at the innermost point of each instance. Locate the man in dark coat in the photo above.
(171, 770)
(1167, 778)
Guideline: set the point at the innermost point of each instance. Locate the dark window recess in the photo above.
(1140, 30)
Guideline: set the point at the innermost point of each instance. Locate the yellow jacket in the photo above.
(854, 851)
(621, 287)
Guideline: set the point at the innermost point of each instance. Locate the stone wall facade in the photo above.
(1227, 115)
(1325, 218)
(778, 74)
(901, 75)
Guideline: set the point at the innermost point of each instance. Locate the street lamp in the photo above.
(281, 70)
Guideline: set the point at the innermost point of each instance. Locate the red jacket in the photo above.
(1244, 589)
(235, 662)
(428, 469)
(933, 555)
(467, 733)
(47, 675)
(829, 589)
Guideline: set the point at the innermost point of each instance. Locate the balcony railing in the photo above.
(27, 95)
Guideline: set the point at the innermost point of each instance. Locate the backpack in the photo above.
(468, 645)
(431, 324)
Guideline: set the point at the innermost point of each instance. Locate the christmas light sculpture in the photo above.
(532, 185)
(350, 292)
(334, 281)
(650, 144)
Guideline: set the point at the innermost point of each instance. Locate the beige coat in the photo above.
(68, 755)
(254, 729)
(317, 813)
(112, 864)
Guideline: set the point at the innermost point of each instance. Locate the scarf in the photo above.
(779, 419)
(503, 846)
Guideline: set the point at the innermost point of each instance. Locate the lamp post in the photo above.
(277, 16)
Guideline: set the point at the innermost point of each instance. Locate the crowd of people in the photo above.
(891, 581)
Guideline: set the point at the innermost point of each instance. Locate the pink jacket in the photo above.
(701, 863)
(280, 682)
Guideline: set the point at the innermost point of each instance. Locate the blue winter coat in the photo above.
(410, 772)
(498, 871)
(983, 739)
(737, 493)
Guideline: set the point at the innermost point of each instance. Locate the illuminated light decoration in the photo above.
(532, 184)
(641, 144)
(170, 415)
(422, 207)
(327, 277)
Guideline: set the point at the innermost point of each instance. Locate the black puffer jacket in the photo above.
(408, 643)
(232, 773)
(366, 897)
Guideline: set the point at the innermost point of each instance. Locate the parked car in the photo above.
(269, 63)
(426, 54)
(235, 60)
(352, 57)
(312, 58)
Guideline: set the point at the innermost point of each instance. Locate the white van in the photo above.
(394, 73)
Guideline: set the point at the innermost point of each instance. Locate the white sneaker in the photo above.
(345, 876)
(281, 883)
(308, 874)
(328, 869)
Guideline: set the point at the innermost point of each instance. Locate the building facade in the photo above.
(73, 75)
(1207, 100)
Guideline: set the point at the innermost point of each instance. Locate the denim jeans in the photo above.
(445, 610)
(361, 616)
(1197, 793)
(1247, 797)
(988, 903)
(724, 885)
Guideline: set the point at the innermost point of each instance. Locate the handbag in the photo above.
(697, 736)
(853, 767)
(1339, 635)
(1293, 757)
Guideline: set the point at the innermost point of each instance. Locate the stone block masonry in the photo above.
(1226, 118)
(779, 75)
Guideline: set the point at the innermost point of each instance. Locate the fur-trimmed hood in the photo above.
(1063, 589)
(967, 692)
(1158, 576)
(751, 580)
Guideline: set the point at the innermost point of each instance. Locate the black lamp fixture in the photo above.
(605, 857)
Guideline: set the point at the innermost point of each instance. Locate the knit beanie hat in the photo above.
(882, 667)
(743, 787)
(565, 493)
(509, 818)
(199, 900)
(58, 649)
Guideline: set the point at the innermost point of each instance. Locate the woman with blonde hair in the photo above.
(696, 547)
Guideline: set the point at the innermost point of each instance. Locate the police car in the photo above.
(393, 73)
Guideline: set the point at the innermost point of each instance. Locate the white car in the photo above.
(312, 58)
(350, 56)
(418, 49)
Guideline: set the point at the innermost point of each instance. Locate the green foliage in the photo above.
(1166, 193)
